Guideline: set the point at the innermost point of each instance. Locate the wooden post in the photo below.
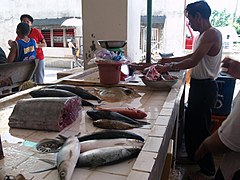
(1, 149)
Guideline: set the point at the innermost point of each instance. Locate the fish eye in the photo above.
(63, 174)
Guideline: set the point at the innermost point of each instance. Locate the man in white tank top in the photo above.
(204, 63)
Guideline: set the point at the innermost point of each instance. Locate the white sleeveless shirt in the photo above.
(208, 67)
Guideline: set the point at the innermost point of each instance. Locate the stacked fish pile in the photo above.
(93, 150)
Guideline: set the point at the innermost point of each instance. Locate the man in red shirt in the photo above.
(40, 43)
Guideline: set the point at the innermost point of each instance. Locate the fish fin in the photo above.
(77, 135)
(143, 122)
(43, 170)
(70, 154)
(49, 161)
(119, 144)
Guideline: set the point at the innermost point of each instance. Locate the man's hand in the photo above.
(232, 67)
(163, 68)
(163, 61)
(10, 42)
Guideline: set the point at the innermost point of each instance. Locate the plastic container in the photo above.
(226, 86)
(109, 73)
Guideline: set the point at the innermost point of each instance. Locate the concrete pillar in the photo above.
(110, 20)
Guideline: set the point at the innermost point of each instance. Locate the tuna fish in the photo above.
(47, 92)
(113, 124)
(96, 114)
(106, 156)
(110, 134)
(84, 94)
(127, 111)
(50, 92)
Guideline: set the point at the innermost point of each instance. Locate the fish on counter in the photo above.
(127, 111)
(100, 143)
(84, 94)
(111, 134)
(96, 114)
(115, 94)
(51, 92)
(114, 124)
(53, 145)
(46, 113)
(48, 92)
(67, 157)
(101, 157)
(106, 156)
(48, 145)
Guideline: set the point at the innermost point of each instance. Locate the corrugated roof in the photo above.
(157, 21)
(53, 22)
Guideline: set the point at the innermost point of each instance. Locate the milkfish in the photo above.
(113, 124)
(100, 143)
(106, 156)
(53, 145)
(96, 114)
(50, 92)
(67, 158)
(127, 111)
(84, 94)
(102, 156)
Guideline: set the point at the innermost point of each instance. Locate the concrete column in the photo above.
(110, 20)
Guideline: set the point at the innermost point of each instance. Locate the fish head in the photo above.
(65, 170)
(98, 114)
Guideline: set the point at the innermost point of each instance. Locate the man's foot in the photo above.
(199, 176)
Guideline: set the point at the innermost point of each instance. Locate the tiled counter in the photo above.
(162, 107)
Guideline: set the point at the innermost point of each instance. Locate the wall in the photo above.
(108, 22)
(11, 10)
(173, 9)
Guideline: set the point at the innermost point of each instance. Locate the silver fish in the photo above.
(67, 158)
(106, 156)
(100, 143)
(53, 145)
(114, 124)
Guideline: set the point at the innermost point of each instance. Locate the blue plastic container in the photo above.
(226, 86)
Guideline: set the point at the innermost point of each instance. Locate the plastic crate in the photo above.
(226, 86)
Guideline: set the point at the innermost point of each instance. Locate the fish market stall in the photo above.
(162, 107)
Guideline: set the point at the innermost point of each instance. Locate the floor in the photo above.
(51, 73)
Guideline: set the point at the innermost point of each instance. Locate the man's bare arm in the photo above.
(211, 144)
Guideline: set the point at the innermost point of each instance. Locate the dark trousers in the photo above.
(219, 175)
(202, 98)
